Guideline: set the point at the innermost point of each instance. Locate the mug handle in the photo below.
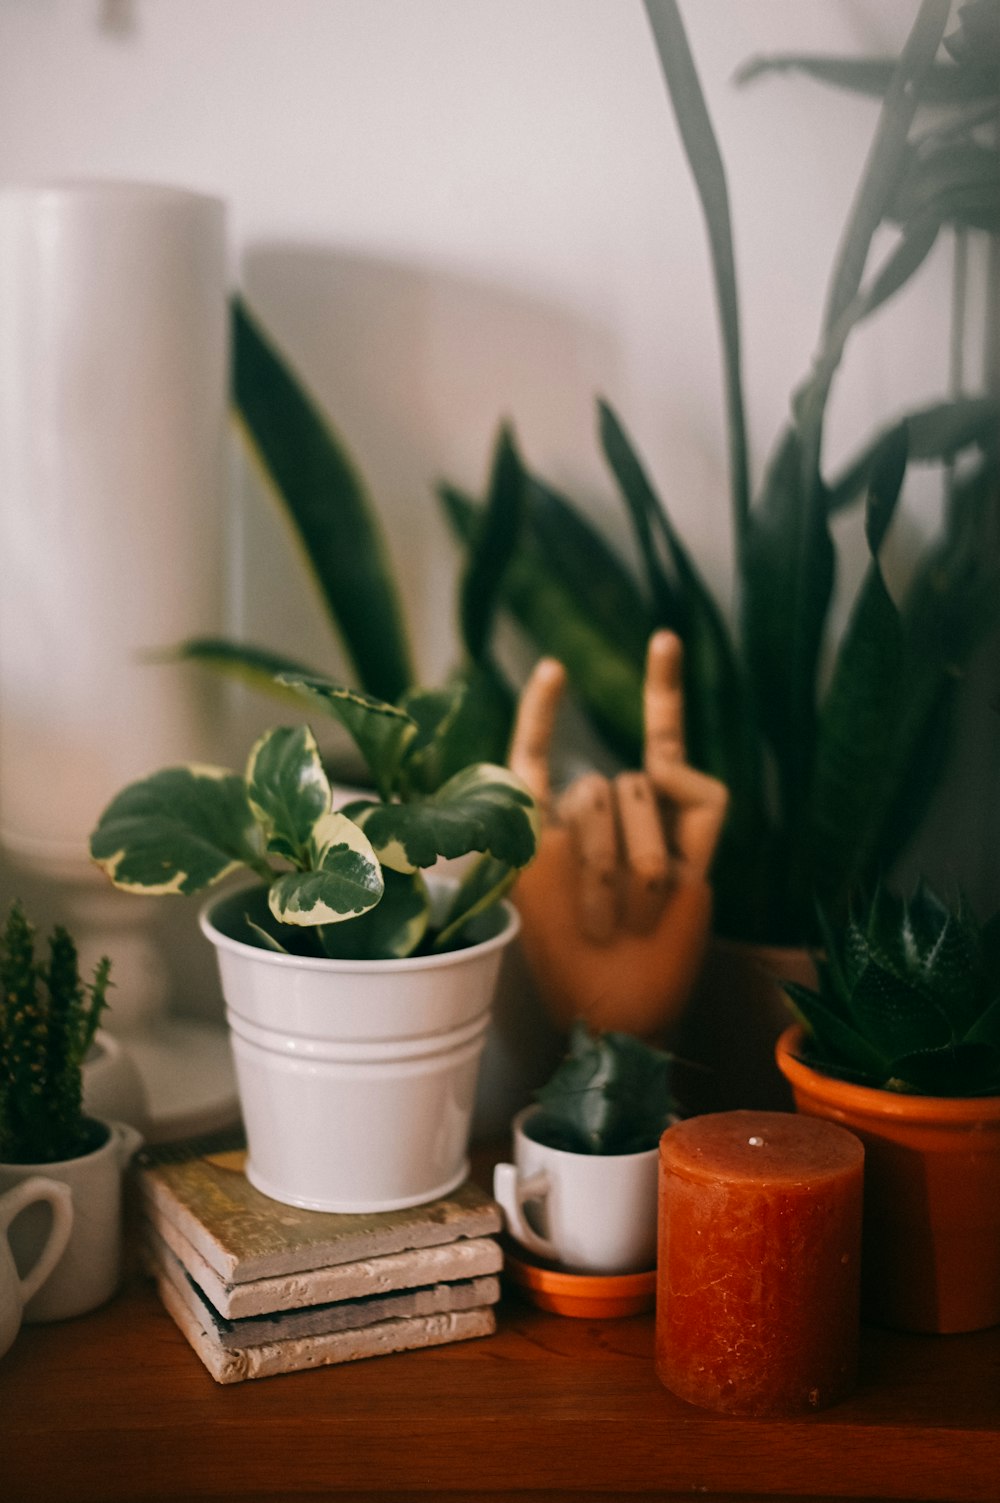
(60, 1198)
(510, 1192)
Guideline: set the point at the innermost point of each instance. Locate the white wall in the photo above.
(449, 211)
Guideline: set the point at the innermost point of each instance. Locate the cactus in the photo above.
(48, 1018)
(909, 997)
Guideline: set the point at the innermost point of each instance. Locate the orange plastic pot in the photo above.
(931, 1250)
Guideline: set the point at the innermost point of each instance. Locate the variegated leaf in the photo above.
(347, 882)
(391, 930)
(178, 831)
(380, 731)
(288, 789)
(482, 808)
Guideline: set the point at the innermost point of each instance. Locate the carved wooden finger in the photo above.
(697, 807)
(587, 808)
(646, 875)
(663, 704)
(534, 726)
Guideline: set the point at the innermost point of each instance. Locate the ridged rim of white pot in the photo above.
(507, 932)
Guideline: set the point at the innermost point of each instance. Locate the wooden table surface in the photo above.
(115, 1407)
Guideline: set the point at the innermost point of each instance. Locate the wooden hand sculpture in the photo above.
(616, 907)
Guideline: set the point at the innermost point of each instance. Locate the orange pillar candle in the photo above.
(757, 1307)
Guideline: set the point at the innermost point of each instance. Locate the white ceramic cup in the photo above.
(15, 1292)
(590, 1213)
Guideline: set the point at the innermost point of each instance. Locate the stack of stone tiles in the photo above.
(259, 1287)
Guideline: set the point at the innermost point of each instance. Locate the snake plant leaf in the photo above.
(860, 720)
(608, 682)
(957, 182)
(434, 712)
(328, 505)
(484, 884)
(496, 536)
(612, 1094)
(787, 585)
(720, 734)
(885, 158)
(242, 661)
(381, 732)
(346, 881)
(483, 808)
(938, 432)
(288, 789)
(480, 729)
(698, 137)
(180, 830)
(587, 566)
(391, 930)
(943, 83)
(644, 508)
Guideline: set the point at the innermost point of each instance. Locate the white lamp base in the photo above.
(186, 1068)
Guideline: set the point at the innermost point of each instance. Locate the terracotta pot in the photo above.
(734, 1019)
(931, 1252)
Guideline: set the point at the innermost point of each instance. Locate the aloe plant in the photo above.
(828, 783)
(611, 1093)
(48, 1019)
(186, 828)
(909, 997)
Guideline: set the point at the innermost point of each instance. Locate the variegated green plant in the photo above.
(186, 828)
(908, 999)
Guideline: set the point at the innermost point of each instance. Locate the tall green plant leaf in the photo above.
(861, 714)
(938, 432)
(608, 683)
(497, 532)
(328, 505)
(943, 83)
(705, 159)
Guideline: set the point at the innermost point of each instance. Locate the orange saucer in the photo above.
(590, 1296)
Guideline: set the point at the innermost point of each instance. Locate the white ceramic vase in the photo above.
(89, 1271)
(357, 1078)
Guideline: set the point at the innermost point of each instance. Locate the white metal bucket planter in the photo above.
(357, 1078)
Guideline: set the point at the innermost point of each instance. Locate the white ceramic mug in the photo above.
(15, 1292)
(88, 1272)
(590, 1213)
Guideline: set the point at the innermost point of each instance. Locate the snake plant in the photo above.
(48, 1018)
(908, 999)
(829, 773)
(186, 828)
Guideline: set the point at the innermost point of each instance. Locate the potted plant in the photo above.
(901, 1043)
(358, 991)
(830, 750)
(48, 1019)
(580, 1197)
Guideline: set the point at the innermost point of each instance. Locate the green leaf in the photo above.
(705, 160)
(497, 531)
(288, 789)
(832, 1044)
(956, 181)
(483, 808)
(644, 510)
(943, 83)
(608, 683)
(612, 1094)
(939, 432)
(328, 505)
(180, 830)
(242, 661)
(860, 718)
(585, 565)
(346, 882)
(394, 928)
(380, 731)
(787, 584)
(483, 885)
(885, 158)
